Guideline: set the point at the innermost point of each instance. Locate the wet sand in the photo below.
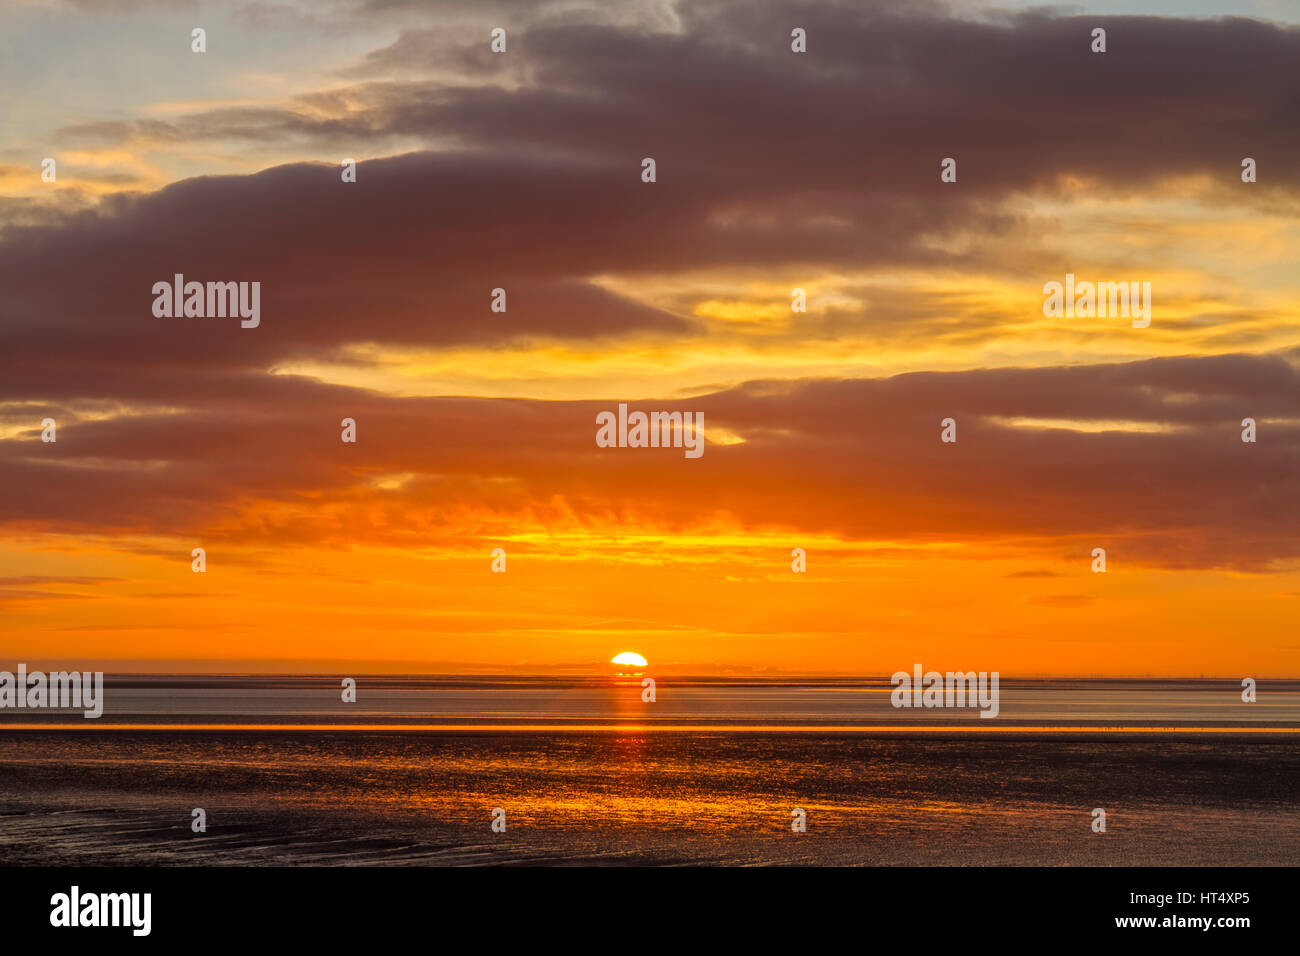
(331, 797)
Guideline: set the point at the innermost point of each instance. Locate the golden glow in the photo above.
(722, 603)
(388, 568)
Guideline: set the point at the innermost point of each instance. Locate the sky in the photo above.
(476, 430)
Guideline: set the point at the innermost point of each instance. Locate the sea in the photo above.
(424, 771)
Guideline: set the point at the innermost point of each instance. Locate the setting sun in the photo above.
(629, 659)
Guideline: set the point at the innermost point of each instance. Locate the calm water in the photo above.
(651, 794)
(679, 703)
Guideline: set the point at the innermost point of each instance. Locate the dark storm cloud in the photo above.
(882, 95)
(407, 256)
(766, 159)
(857, 458)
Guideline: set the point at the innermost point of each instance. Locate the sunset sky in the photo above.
(476, 430)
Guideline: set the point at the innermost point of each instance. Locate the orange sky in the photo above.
(476, 430)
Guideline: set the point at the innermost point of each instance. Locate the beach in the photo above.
(1200, 791)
